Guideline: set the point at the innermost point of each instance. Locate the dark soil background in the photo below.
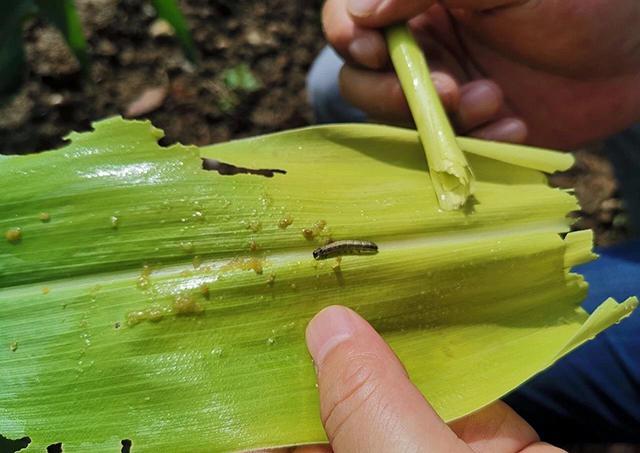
(132, 53)
(139, 70)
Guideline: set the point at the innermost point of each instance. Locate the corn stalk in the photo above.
(450, 172)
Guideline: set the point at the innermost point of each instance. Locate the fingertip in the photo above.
(510, 130)
(330, 327)
(338, 27)
(447, 89)
(381, 13)
(313, 449)
(363, 385)
(356, 44)
(378, 94)
(368, 49)
(362, 9)
(480, 102)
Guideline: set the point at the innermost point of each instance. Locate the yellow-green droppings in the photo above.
(13, 346)
(186, 305)
(13, 235)
(284, 222)
(187, 246)
(44, 217)
(255, 226)
(318, 229)
(154, 313)
(245, 264)
(144, 281)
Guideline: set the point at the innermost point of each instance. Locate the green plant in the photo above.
(169, 11)
(236, 82)
(241, 78)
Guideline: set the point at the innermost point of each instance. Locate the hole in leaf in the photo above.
(55, 448)
(126, 446)
(228, 169)
(11, 446)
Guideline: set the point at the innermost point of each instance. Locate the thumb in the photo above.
(380, 13)
(367, 401)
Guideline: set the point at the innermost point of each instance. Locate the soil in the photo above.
(596, 187)
(132, 52)
(138, 69)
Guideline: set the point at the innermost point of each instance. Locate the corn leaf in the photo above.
(143, 297)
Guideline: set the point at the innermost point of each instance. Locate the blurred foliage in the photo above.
(12, 56)
(169, 11)
(240, 78)
(235, 80)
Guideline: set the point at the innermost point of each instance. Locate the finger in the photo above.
(380, 13)
(480, 102)
(367, 402)
(481, 5)
(542, 447)
(302, 449)
(511, 130)
(380, 95)
(496, 428)
(437, 37)
(313, 449)
(356, 44)
(273, 450)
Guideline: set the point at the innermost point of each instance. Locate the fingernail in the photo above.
(363, 8)
(329, 328)
(363, 50)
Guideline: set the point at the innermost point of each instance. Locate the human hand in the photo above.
(563, 73)
(368, 403)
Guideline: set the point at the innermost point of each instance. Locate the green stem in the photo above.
(450, 172)
(170, 11)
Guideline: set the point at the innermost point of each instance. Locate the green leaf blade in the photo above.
(203, 349)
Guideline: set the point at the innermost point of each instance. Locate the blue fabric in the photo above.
(323, 90)
(593, 394)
